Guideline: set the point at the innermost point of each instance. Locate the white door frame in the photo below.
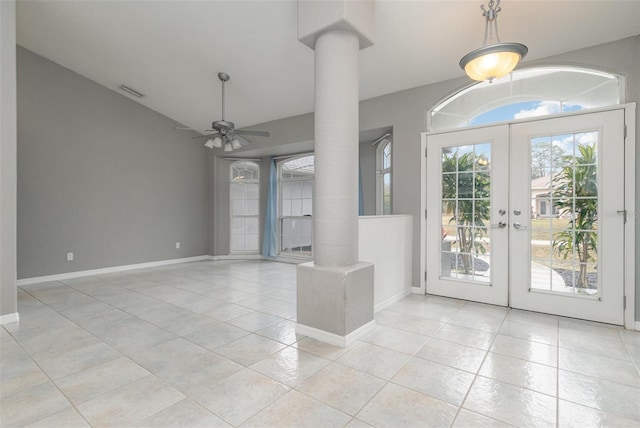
(629, 200)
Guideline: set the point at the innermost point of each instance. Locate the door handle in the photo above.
(500, 225)
(518, 226)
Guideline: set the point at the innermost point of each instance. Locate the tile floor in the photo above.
(211, 344)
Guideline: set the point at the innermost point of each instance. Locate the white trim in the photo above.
(91, 272)
(632, 213)
(637, 326)
(291, 260)
(423, 218)
(279, 259)
(9, 318)
(393, 299)
(237, 257)
(335, 339)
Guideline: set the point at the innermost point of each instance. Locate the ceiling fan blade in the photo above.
(191, 129)
(206, 136)
(256, 133)
(243, 141)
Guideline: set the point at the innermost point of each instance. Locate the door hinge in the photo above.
(425, 275)
(425, 213)
(625, 131)
(623, 213)
(425, 152)
(624, 303)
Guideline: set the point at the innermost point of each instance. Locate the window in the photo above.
(296, 196)
(244, 191)
(526, 93)
(383, 182)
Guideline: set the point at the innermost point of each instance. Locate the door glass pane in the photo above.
(466, 192)
(564, 205)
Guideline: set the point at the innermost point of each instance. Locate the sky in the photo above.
(521, 110)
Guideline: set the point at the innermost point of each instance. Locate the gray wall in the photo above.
(221, 222)
(8, 301)
(102, 176)
(406, 112)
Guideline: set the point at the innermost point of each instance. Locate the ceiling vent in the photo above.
(131, 91)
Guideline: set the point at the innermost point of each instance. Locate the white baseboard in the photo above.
(335, 339)
(79, 274)
(237, 257)
(9, 318)
(393, 299)
(290, 260)
(637, 327)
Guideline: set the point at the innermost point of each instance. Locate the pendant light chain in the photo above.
(491, 22)
(494, 59)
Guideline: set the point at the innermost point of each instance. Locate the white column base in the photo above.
(337, 300)
(334, 339)
(9, 318)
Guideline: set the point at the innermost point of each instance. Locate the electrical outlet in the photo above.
(177, 245)
(69, 257)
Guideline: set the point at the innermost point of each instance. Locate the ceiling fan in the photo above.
(224, 133)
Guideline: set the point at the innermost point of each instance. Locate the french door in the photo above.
(468, 195)
(528, 215)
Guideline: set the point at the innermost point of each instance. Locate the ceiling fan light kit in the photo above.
(225, 132)
(492, 60)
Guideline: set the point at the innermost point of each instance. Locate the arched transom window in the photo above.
(526, 93)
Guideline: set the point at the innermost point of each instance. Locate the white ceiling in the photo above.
(172, 50)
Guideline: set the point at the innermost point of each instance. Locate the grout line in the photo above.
(475, 377)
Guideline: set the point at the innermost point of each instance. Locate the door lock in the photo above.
(518, 226)
(500, 225)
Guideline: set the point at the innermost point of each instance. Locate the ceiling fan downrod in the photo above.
(223, 78)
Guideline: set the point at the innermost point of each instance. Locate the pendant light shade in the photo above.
(213, 142)
(217, 142)
(492, 60)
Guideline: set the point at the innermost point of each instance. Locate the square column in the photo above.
(335, 292)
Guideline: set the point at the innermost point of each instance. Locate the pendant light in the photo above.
(494, 59)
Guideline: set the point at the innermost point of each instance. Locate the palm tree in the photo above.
(576, 194)
(465, 193)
